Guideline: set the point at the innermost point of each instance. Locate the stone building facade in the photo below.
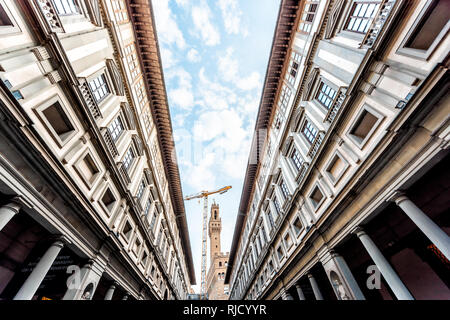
(91, 205)
(346, 189)
(216, 289)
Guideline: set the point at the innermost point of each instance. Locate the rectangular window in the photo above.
(128, 159)
(152, 223)
(116, 128)
(270, 218)
(307, 17)
(127, 230)
(120, 11)
(132, 61)
(294, 65)
(363, 126)
(88, 169)
(325, 95)
(280, 253)
(316, 197)
(284, 99)
(5, 21)
(147, 207)
(309, 131)
(277, 205)
(108, 199)
(140, 191)
(361, 15)
(296, 159)
(59, 121)
(288, 240)
(99, 88)
(432, 26)
(66, 7)
(298, 226)
(141, 95)
(284, 189)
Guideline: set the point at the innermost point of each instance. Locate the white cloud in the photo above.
(167, 58)
(193, 55)
(231, 15)
(201, 17)
(181, 96)
(228, 67)
(167, 28)
(182, 3)
(229, 70)
(253, 81)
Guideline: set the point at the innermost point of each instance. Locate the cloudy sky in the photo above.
(214, 56)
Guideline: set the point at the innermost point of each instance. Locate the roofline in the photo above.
(161, 117)
(266, 108)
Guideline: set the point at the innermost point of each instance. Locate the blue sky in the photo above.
(214, 56)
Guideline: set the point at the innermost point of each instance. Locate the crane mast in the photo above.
(204, 195)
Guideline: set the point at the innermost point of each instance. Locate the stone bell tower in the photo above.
(215, 227)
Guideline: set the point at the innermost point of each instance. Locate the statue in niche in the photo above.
(339, 287)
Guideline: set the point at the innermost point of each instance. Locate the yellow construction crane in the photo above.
(204, 195)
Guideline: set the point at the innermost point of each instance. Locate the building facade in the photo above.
(91, 205)
(346, 190)
(216, 289)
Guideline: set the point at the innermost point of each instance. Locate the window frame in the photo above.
(303, 134)
(323, 82)
(111, 132)
(39, 111)
(418, 53)
(348, 16)
(76, 5)
(329, 163)
(304, 15)
(380, 117)
(107, 82)
(8, 30)
(89, 183)
(316, 205)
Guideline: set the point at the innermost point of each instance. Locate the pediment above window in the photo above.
(333, 19)
(116, 77)
(94, 12)
(309, 85)
(129, 115)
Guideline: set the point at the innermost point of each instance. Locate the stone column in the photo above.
(391, 277)
(7, 212)
(315, 287)
(125, 296)
(285, 295)
(109, 294)
(300, 292)
(34, 280)
(436, 235)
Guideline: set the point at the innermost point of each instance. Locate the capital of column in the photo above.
(60, 240)
(398, 197)
(359, 231)
(310, 275)
(13, 206)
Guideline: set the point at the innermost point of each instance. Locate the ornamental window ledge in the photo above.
(378, 23)
(301, 173)
(287, 204)
(48, 13)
